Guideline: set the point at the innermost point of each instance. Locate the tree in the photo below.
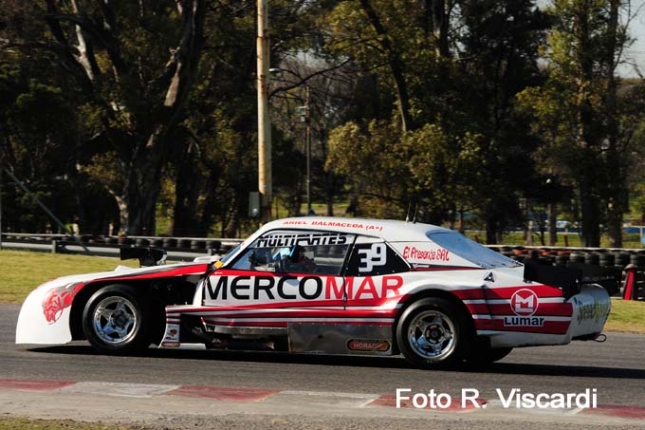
(353, 148)
(577, 110)
(499, 43)
(214, 176)
(450, 70)
(117, 54)
(37, 123)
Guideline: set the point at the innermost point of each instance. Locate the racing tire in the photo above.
(117, 321)
(432, 333)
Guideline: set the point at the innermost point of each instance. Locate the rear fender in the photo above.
(440, 293)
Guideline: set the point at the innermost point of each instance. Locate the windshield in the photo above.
(229, 254)
(470, 250)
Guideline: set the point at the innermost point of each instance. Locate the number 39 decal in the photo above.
(375, 256)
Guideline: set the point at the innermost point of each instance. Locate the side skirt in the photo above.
(359, 339)
(340, 339)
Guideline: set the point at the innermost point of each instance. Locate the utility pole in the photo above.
(1, 205)
(264, 125)
(308, 149)
(304, 113)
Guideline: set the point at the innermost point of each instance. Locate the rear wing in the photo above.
(570, 278)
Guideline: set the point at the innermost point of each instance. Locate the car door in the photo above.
(374, 274)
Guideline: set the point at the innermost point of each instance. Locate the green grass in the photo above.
(23, 271)
(626, 316)
(27, 424)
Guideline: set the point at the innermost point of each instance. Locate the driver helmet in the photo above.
(297, 252)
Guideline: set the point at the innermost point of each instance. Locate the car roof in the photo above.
(389, 230)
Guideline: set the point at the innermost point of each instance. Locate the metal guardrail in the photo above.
(178, 249)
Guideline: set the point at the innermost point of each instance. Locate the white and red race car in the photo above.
(328, 285)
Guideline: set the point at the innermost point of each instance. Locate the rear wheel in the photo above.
(117, 320)
(432, 333)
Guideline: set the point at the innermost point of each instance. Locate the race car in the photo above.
(328, 285)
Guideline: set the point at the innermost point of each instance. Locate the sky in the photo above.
(634, 56)
(636, 53)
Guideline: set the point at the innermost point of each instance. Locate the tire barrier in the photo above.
(616, 261)
(629, 284)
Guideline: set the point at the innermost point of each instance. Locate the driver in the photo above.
(299, 262)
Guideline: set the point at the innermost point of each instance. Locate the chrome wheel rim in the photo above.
(431, 335)
(115, 320)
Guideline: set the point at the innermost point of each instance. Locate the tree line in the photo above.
(125, 113)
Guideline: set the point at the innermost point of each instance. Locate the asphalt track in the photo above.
(168, 389)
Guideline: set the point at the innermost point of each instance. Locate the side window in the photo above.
(329, 259)
(256, 259)
(296, 252)
(372, 259)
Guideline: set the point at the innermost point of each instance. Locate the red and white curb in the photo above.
(241, 395)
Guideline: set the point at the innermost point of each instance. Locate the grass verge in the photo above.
(22, 271)
(626, 316)
(27, 424)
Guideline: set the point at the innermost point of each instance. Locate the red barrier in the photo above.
(629, 293)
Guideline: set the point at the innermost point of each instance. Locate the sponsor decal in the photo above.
(595, 311)
(167, 344)
(342, 224)
(523, 321)
(270, 288)
(58, 299)
(311, 239)
(368, 345)
(413, 253)
(375, 256)
(524, 303)
(347, 225)
(171, 338)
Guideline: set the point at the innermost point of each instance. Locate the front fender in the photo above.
(44, 316)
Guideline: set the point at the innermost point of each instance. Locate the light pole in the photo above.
(309, 210)
(306, 117)
(0, 206)
(264, 125)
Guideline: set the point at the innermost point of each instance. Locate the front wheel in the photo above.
(432, 333)
(116, 320)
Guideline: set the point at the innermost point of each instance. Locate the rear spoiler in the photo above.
(570, 278)
(607, 277)
(148, 256)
